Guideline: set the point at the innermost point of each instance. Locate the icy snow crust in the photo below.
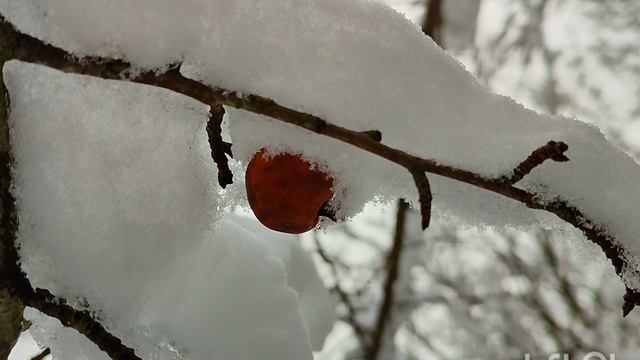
(358, 64)
(118, 207)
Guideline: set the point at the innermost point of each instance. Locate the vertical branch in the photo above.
(219, 148)
(433, 21)
(425, 197)
(393, 266)
(11, 307)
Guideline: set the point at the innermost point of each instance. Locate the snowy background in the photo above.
(115, 179)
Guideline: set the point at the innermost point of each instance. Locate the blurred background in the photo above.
(453, 293)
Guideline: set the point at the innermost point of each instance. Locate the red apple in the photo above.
(286, 192)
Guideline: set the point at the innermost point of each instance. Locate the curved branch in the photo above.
(35, 51)
(553, 150)
(425, 197)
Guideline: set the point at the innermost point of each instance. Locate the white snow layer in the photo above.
(117, 201)
(358, 64)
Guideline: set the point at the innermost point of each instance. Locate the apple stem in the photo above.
(327, 211)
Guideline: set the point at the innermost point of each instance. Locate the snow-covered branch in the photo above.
(553, 150)
(82, 321)
(16, 291)
(35, 51)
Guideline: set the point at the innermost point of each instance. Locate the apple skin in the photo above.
(286, 192)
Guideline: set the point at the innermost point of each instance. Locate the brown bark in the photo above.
(433, 20)
(11, 307)
(10, 322)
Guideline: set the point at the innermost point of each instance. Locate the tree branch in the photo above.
(11, 307)
(425, 197)
(374, 134)
(432, 22)
(35, 51)
(393, 266)
(219, 148)
(553, 150)
(46, 352)
(81, 321)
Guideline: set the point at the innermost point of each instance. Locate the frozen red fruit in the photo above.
(286, 192)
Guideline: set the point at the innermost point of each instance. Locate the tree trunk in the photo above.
(11, 307)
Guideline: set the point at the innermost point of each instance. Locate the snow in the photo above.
(316, 305)
(118, 199)
(355, 63)
(64, 342)
(25, 348)
(91, 175)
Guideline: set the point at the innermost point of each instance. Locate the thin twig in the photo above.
(219, 148)
(425, 197)
(46, 352)
(393, 267)
(553, 150)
